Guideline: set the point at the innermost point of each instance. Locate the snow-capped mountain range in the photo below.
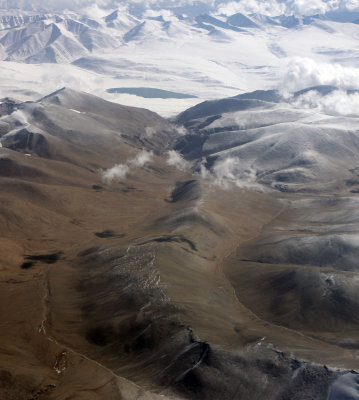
(180, 49)
(56, 37)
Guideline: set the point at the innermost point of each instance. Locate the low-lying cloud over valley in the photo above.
(119, 172)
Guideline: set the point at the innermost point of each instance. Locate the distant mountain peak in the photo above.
(240, 20)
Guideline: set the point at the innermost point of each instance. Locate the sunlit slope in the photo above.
(274, 142)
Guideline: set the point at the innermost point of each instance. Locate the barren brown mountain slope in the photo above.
(150, 286)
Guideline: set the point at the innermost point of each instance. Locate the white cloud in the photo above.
(300, 73)
(351, 5)
(270, 7)
(307, 7)
(141, 159)
(267, 7)
(175, 159)
(20, 117)
(49, 4)
(181, 130)
(116, 173)
(338, 102)
(119, 172)
(94, 11)
(228, 172)
(289, 7)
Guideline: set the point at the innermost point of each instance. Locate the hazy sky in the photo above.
(270, 7)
